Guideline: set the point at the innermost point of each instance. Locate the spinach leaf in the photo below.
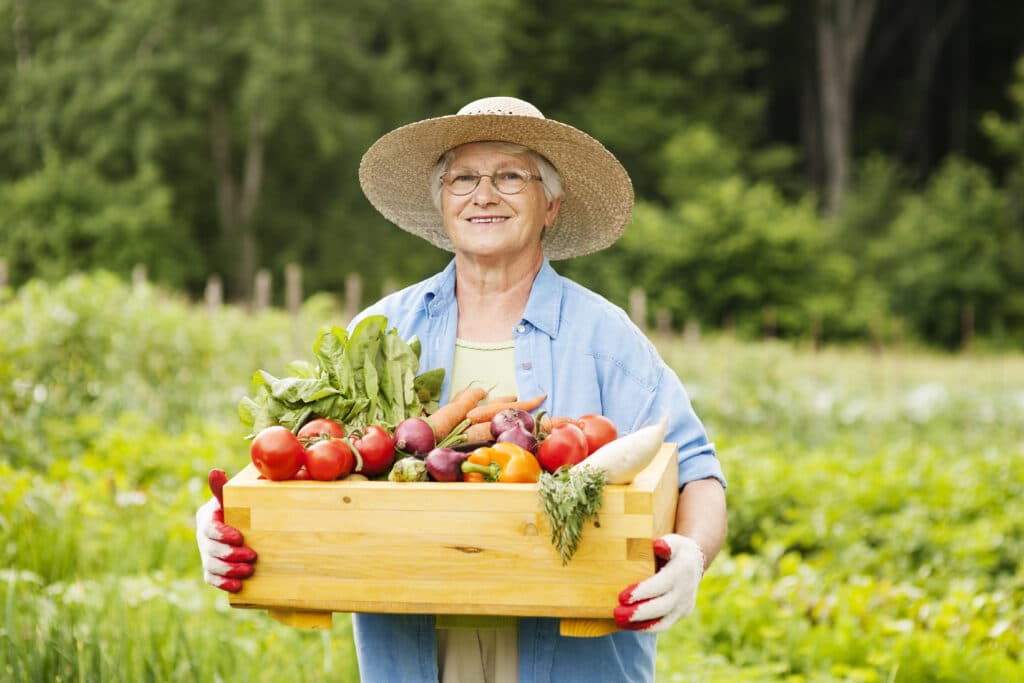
(367, 377)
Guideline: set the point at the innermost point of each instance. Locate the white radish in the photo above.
(625, 457)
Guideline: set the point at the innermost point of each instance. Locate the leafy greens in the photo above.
(367, 378)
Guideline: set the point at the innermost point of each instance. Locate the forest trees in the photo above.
(789, 159)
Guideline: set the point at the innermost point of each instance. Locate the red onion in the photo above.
(509, 418)
(443, 464)
(414, 436)
(520, 437)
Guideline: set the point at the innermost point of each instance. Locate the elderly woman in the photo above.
(507, 191)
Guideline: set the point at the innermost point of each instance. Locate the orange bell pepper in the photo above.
(502, 462)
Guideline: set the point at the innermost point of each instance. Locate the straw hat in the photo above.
(598, 203)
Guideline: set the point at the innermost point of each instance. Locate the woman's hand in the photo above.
(225, 560)
(657, 603)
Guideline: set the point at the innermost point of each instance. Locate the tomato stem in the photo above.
(356, 453)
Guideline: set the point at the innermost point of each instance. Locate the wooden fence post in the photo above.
(261, 295)
(293, 288)
(691, 332)
(770, 317)
(638, 307)
(728, 323)
(663, 322)
(139, 275)
(353, 294)
(966, 327)
(877, 330)
(4, 275)
(214, 294)
(816, 332)
(388, 286)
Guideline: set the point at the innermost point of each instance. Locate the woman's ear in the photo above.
(552, 211)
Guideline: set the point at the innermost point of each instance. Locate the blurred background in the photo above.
(827, 247)
(825, 169)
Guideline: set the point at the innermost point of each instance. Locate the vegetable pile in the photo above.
(360, 410)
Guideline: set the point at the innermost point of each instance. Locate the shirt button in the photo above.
(527, 365)
(521, 328)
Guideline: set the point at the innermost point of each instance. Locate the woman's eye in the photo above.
(510, 175)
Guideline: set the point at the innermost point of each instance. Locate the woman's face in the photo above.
(489, 225)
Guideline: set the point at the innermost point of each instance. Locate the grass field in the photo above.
(876, 515)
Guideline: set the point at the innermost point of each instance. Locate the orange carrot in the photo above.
(479, 432)
(486, 412)
(447, 417)
(503, 399)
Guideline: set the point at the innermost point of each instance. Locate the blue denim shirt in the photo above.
(588, 357)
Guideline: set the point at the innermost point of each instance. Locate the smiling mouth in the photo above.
(488, 219)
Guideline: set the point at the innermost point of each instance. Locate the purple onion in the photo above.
(414, 436)
(444, 464)
(520, 437)
(509, 418)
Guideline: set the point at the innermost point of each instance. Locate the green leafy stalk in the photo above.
(571, 496)
(368, 377)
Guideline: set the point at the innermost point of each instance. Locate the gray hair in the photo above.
(550, 179)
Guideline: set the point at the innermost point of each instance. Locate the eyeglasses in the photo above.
(506, 181)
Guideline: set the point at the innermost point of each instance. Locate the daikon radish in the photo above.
(625, 457)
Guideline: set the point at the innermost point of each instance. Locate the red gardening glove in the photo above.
(225, 560)
(657, 603)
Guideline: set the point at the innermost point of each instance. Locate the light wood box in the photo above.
(442, 548)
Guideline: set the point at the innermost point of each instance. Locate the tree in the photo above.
(942, 259)
(841, 33)
(67, 217)
(255, 114)
(632, 74)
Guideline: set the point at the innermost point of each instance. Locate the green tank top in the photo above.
(486, 364)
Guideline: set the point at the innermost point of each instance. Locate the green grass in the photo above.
(876, 515)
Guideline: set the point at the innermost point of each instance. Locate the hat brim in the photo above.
(598, 202)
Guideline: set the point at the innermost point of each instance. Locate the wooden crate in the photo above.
(441, 548)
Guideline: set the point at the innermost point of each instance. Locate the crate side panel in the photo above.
(406, 523)
(431, 596)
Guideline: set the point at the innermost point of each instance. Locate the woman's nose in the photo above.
(485, 192)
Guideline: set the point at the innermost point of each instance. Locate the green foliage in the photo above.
(255, 114)
(1005, 133)
(875, 502)
(222, 138)
(633, 74)
(727, 253)
(76, 356)
(874, 517)
(944, 255)
(1008, 136)
(67, 217)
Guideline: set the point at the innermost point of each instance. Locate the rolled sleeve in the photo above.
(699, 462)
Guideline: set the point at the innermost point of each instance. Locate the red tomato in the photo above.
(277, 453)
(565, 445)
(302, 474)
(319, 428)
(598, 429)
(329, 459)
(377, 448)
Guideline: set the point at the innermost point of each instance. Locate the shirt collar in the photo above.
(440, 290)
(542, 308)
(545, 303)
